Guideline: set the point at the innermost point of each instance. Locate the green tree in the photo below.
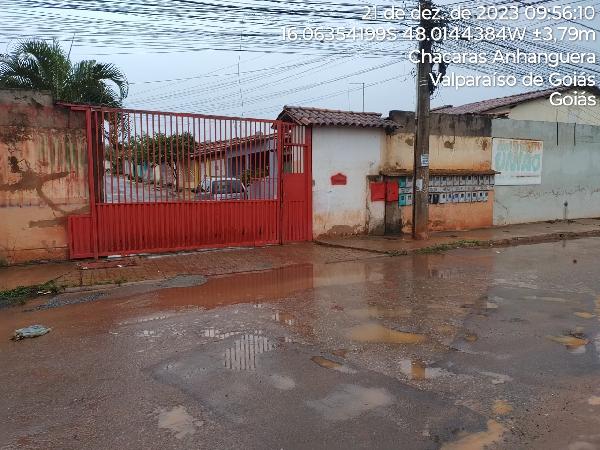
(176, 151)
(45, 66)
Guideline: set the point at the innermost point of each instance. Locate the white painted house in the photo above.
(347, 148)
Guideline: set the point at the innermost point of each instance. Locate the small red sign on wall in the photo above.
(377, 191)
(339, 179)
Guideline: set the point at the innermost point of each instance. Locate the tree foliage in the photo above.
(161, 148)
(45, 66)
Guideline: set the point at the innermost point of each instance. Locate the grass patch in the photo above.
(120, 281)
(398, 252)
(20, 295)
(439, 248)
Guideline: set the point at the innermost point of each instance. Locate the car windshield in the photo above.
(227, 187)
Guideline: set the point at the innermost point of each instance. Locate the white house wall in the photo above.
(356, 153)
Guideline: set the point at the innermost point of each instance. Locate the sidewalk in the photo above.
(118, 271)
(111, 272)
(497, 236)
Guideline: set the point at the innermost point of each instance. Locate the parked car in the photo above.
(221, 189)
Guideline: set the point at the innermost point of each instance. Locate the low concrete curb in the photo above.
(470, 243)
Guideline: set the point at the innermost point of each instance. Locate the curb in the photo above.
(473, 243)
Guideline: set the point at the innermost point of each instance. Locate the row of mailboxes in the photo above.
(461, 180)
(443, 198)
(442, 189)
(459, 197)
(439, 184)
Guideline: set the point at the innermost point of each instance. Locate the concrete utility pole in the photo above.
(421, 152)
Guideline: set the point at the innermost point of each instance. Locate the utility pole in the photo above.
(421, 150)
(363, 95)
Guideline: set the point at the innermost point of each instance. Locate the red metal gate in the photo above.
(169, 181)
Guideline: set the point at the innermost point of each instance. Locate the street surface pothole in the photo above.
(375, 333)
(333, 365)
(242, 355)
(350, 401)
(479, 440)
(178, 421)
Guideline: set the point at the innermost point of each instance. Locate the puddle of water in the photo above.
(282, 382)
(497, 378)
(585, 315)
(479, 440)
(329, 364)
(375, 333)
(418, 370)
(178, 421)
(594, 400)
(350, 401)
(502, 407)
(471, 337)
(253, 287)
(377, 312)
(242, 356)
(545, 298)
(570, 342)
(218, 334)
(341, 352)
(283, 317)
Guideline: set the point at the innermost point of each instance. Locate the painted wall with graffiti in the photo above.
(549, 171)
(519, 161)
(43, 175)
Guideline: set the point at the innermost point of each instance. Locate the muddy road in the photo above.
(472, 349)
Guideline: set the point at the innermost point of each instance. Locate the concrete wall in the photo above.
(570, 173)
(541, 110)
(43, 175)
(356, 153)
(457, 143)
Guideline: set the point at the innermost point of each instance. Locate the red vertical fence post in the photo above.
(91, 180)
(308, 177)
(279, 127)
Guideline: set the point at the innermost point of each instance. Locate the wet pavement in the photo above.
(470, 349)
(32, 274)
(526, 233)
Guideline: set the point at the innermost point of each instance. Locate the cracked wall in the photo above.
(43, 175)
(457, 143)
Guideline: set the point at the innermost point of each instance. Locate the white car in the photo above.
(216, 188)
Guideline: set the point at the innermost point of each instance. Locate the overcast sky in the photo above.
(161, 52)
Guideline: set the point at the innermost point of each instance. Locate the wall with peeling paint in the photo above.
(570, 173)
(457, 143)
(355, 152)
(43, 175)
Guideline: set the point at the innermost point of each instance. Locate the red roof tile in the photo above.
(329, 117)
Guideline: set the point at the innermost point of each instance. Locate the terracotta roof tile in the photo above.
(329, 117)
(486, 106)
